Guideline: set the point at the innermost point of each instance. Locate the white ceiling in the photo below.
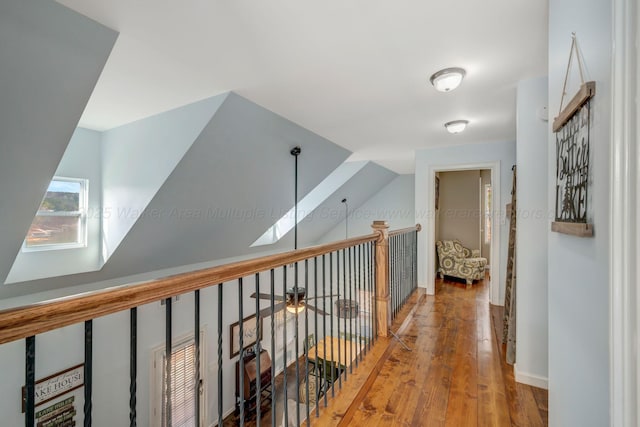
(355, 71)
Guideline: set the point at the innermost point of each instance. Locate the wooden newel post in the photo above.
(382, 277)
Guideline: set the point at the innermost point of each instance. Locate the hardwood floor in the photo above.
(455, 375)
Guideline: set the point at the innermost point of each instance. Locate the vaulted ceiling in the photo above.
(355, 72)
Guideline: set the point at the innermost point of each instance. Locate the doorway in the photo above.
(487, 225)
(463, 209)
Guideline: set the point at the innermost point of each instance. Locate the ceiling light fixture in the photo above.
(448, 79)
(456, 126)
(296, 309)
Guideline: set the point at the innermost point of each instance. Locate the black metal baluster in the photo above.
(30, 381)
(334, 368)
(405, 276)
(372, 296)
(258, 370)
(351, 320)
(338, 320)
(220, 379)
(241, 349)
(296, 333)
(396, 261)
(324, 320)
(284, 346)
(374, 287)
(88, 371)
(415, 260)
(405, 269)
(167, 363)
(133, 364)
(398, 273)
(306, 337)
(196, 338)
(273, 347)
(361, 350)
(392, 276)
(315, 294)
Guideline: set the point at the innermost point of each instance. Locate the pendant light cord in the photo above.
(295, 152)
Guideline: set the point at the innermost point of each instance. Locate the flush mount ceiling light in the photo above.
(448, 79)
(456, 126)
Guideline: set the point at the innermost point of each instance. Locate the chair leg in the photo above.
(469, 283)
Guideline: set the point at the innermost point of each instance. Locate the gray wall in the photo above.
(578, 267)
(459, 216)
(51, 59)
(531, 235)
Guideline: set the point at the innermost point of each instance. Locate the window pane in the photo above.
(62, 196)
(59, 221)
(53, 230)
(184, 390)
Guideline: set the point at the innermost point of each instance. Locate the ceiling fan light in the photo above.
(296, 309)
(448, 79)
(456, 126)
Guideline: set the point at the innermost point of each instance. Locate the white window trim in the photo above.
(488, 223)
(81, 214)
(157, 370)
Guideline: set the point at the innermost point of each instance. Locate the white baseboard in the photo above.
(530, 379)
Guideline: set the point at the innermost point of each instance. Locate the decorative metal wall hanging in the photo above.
(572, 128)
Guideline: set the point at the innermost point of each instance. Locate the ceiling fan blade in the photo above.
(325, 296)
(276, 308)
(317, 310)
(268, 296)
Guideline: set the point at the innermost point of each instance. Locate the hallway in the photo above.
(455, 374)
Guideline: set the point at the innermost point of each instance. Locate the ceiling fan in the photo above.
(288, 301)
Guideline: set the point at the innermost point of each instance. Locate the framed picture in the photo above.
(250, 336)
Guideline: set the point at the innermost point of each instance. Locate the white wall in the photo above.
(578, 267)
(81, 160)
(532, 225)
(393, 203)
(449, 157)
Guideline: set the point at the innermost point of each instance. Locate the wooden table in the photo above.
(344, 357)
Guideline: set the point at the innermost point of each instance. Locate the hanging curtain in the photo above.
(509, 320)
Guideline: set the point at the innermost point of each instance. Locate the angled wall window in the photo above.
(60, 222)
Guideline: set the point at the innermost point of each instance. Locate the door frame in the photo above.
(496, 222)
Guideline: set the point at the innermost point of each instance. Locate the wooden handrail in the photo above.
(21, 322)
(416, 227)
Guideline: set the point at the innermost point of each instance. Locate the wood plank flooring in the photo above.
(455, 375)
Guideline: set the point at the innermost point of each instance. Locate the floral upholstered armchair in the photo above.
(457, 261)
